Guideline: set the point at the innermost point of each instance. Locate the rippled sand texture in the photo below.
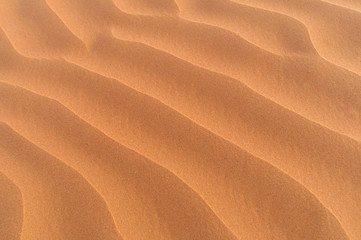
(180, 119)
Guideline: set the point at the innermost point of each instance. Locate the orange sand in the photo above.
(180, 119)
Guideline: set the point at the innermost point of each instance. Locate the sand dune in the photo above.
(205, 180)
(180, 119)
(83, 92)
(309, 86)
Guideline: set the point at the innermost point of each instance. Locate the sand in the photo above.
(180, 119)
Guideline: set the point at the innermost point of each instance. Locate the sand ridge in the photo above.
(184, 119)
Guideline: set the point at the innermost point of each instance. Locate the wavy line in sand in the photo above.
(297, 95)
(354, 5)
(295, 83)
(58, 203)
(23, 18)
(335, 31)
(271, 31)
(146, 201)
(145, 7)
(89, 33)
(210, 183)
(52, 88)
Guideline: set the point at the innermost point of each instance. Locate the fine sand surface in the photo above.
(180, 119)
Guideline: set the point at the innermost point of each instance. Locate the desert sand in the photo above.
(180, 119)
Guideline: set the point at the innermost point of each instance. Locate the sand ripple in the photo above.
(180, 119)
